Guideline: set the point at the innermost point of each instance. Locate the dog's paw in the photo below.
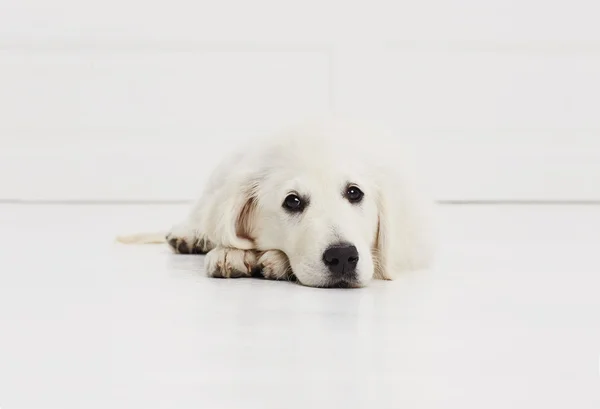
(274, 265)
(184, 240)
(225, 262)
(189, 245)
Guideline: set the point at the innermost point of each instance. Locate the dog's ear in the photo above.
(244, 224)
(229, 213)
(404, 238)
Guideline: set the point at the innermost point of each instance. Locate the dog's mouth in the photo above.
(342, 284)
(346, 284)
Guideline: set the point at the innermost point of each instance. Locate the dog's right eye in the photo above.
(293, 203)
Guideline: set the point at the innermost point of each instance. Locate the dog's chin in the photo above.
(331, 282)
(344, 284)
(314, 275)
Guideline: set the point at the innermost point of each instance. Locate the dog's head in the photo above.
(339, 215)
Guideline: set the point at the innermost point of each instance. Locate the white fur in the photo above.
(389, 227)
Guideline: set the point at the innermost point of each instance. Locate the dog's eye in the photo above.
(293, 203)
(354, 194)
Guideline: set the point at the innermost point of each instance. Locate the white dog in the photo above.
(330, 203)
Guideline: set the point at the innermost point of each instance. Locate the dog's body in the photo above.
(330, 202)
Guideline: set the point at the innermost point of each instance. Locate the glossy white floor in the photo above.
(509, 318)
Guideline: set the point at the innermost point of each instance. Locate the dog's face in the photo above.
(324, 218)
(324, 198)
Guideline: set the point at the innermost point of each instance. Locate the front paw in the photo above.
(274, 265)
(225, 262)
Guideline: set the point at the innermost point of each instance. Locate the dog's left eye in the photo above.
(354, 194)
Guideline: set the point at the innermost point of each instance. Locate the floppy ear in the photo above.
(403, 240)
(227, 213)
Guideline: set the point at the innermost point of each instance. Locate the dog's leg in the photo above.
(226, 262)
(274, 265)
(185, 239)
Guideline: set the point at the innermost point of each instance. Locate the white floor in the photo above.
(509, 318)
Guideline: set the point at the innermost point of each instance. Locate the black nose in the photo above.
(341, 259)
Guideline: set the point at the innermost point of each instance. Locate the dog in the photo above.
(329, 203)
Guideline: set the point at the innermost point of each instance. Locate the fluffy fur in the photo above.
(240, 223)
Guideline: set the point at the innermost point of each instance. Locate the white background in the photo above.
(130, 100)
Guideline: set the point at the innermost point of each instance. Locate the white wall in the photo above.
(97, 99)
